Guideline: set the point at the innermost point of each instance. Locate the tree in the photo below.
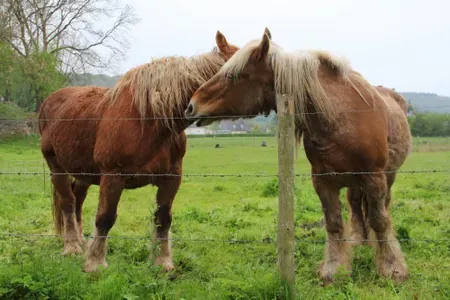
(430, 124)
(56, 37)
(6, 71)
(410, 107)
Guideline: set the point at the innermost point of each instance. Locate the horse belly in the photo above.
(344, 154)
(151, 172)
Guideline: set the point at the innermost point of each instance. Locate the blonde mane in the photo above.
(163, 86)
(296, 74)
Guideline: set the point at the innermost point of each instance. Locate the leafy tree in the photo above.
(6, 70)
(430, 124)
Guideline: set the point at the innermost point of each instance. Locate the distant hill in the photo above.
(428, 102)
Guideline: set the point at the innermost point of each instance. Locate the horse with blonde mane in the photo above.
(124, 137)
(347, 125)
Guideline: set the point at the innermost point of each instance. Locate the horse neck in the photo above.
(175, 122)
(180, 123)
(210, 65)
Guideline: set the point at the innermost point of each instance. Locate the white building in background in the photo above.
(223, 127)
(194, 130)
(198, 131)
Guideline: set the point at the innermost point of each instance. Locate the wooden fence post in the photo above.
(286, 149)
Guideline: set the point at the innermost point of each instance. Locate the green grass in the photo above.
(225, 209)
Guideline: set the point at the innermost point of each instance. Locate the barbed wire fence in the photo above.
(45, 174)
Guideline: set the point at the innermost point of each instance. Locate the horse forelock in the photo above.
(161, 88)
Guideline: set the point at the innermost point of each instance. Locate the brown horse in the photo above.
(136, 127)
(347, 125)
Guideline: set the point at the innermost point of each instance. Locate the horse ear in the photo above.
(269, 35)
(260, 52)
(222, 42)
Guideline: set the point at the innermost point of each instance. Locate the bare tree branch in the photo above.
(73, 30)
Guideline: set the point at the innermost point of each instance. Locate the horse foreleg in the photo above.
(337, 251)
(111, 188)
(80, 189)
(167, 189)
(390, 259)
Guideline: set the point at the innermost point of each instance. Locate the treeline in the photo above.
(430, 124)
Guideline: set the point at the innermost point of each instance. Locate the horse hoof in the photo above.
(166, 263)
(327, 271)
(90, 267)
(72, 249)
(398, 273)
(326, 279)
(399, 277)
(82, 239)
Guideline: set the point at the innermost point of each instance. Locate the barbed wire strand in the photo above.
(224, 175)
(209, 117)
(263, 240)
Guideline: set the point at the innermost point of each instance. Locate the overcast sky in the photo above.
(402, 44)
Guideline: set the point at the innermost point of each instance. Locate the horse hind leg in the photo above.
(389, 257)
(358, 229)
(337, 251)
(64, 205)
(390, 178)
(167, 189)
(80, 190)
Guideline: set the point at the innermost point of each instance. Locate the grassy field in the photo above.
(227, 210)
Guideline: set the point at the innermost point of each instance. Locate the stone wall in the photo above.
(9, 128)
